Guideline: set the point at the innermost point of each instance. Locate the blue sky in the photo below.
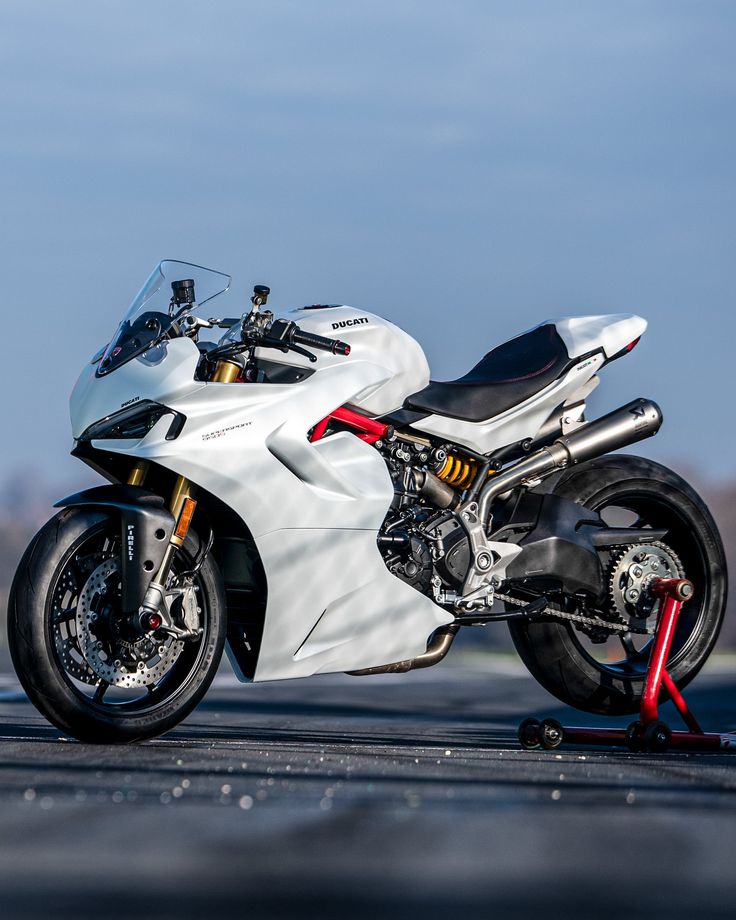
(468, 169)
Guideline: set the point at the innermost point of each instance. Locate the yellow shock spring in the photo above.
(458, 472)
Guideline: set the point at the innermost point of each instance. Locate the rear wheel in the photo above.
(607, 675)
(80, 661)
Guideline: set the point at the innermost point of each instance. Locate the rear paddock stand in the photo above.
(649, 732)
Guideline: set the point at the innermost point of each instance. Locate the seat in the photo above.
(502, 379)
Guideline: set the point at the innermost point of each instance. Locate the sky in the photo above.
(466, 169)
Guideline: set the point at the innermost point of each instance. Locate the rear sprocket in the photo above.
(632, 570)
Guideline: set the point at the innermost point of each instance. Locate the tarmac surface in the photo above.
(394, 796)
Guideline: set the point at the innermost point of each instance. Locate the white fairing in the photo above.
(583, 334)
(314, 510)
(371, 338)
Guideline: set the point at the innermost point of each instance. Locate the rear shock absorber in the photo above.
(455, 469)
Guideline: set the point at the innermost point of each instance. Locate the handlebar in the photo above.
(310, 340)
(290, 333)
(281, 334)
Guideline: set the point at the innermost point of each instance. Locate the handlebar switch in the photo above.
(283, 330)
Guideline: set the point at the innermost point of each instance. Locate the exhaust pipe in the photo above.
(633, 422)
(436, 651)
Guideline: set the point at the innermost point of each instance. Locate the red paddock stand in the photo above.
(648, 733)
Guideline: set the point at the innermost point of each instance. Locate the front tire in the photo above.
(53, 672)
(555, 652)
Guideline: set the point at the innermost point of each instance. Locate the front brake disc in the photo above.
(118, 662)
(66, 641)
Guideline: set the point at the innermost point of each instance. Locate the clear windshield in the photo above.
(156, 309)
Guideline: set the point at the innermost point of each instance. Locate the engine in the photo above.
(421, 539)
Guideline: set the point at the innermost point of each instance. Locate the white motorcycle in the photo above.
(317, 505)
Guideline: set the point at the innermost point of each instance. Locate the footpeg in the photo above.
(536, 609)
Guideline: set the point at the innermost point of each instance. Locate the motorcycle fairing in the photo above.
(372, 338)
(611, 333)
(314, 510)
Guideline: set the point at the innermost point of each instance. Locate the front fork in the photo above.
(154, 613)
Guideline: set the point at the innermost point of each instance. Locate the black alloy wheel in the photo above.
(608, 677)
(83, 664)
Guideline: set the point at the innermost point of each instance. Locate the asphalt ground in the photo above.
(394, 796)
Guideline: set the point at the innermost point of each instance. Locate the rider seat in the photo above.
(505, 377)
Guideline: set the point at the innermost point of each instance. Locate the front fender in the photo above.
(146, 526)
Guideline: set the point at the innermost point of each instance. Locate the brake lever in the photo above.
(281, 345)
(303, 351)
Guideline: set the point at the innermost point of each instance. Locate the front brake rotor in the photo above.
(66, 641)
(132, 662)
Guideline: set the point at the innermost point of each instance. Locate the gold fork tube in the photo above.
(138, 474)
(182, 491)
(226, 372)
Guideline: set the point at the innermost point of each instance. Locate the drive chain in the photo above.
(580, 618)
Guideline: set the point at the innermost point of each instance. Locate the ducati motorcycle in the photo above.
(300, 494)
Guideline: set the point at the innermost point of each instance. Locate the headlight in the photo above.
(134, 423)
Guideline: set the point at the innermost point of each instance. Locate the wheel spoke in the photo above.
(632, 652)
(100, 691)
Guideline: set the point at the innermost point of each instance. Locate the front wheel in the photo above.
(79, 660)
(606, 674)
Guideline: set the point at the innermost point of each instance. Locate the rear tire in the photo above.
(34, 649)
(554, 652)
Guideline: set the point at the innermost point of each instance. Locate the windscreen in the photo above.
(155, 309)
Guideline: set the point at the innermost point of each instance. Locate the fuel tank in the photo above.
(373, 340)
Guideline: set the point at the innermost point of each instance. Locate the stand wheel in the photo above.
(657, 737)
(635, 737)
(528, 734)
(551, 734)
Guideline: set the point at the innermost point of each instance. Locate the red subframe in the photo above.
(367, 429)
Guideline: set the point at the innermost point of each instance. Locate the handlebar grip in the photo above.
(310, 340)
